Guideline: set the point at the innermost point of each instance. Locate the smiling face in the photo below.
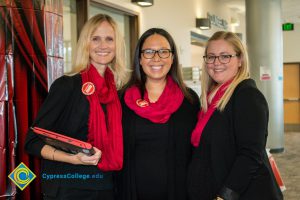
(156, 68)
(221, 73)
(102, 46)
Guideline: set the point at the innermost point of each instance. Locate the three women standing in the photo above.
(159, 113)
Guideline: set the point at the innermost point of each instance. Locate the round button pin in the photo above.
(88, 88)
(142, 103)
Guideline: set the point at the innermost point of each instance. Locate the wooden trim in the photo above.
(82, 13)
(291, 127)
(116, 6)
(134, 35)
(291, 63)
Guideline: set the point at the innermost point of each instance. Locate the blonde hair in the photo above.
(81, 57)
(243, 72)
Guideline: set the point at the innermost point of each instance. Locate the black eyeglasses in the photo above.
(162, 53)
(224, 59)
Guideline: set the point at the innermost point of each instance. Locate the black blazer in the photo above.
(66, 111)
(238, 158)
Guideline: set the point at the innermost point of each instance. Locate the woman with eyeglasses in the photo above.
(159, 114)
(85, 106)
(229, 158)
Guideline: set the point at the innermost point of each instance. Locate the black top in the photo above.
(156, 156)
(151, 160)
(200, 172)
(231, 158)
(66, 111)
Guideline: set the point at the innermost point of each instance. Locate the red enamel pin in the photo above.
(142, 103)
(88, 88)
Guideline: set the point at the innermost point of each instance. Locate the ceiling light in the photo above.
(143, 3)
(203, 23)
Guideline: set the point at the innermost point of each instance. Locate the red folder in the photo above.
(276, 172)
(64, 143)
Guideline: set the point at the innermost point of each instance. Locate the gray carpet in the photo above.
(288, 163)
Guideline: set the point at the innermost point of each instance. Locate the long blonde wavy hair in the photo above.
(81, 58)
(207, 82)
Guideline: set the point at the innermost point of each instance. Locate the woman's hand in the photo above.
(50, 153)
(218, 198)
(83, 159)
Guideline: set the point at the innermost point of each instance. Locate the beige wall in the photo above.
(178, 17)
(291, 45)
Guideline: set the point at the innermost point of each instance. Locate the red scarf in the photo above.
(160, 111)
(203, 117)
(105, 131)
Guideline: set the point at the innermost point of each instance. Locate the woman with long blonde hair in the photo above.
(85, 106)
(229, 159)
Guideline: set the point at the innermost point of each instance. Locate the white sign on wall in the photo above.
(265, 73)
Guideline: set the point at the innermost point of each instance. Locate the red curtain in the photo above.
(30, 37)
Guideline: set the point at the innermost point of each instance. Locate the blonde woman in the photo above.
(85, 106)
(229, 159)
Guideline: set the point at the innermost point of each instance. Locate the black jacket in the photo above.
(66, 111)
(181, 124)
(237, 156)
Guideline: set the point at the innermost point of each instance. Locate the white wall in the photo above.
(291, 43)
(178, 18)
(197, 53)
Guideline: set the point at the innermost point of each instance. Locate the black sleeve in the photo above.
(250, 115)
(49, 113)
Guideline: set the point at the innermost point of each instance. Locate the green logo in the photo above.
(21, 176)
